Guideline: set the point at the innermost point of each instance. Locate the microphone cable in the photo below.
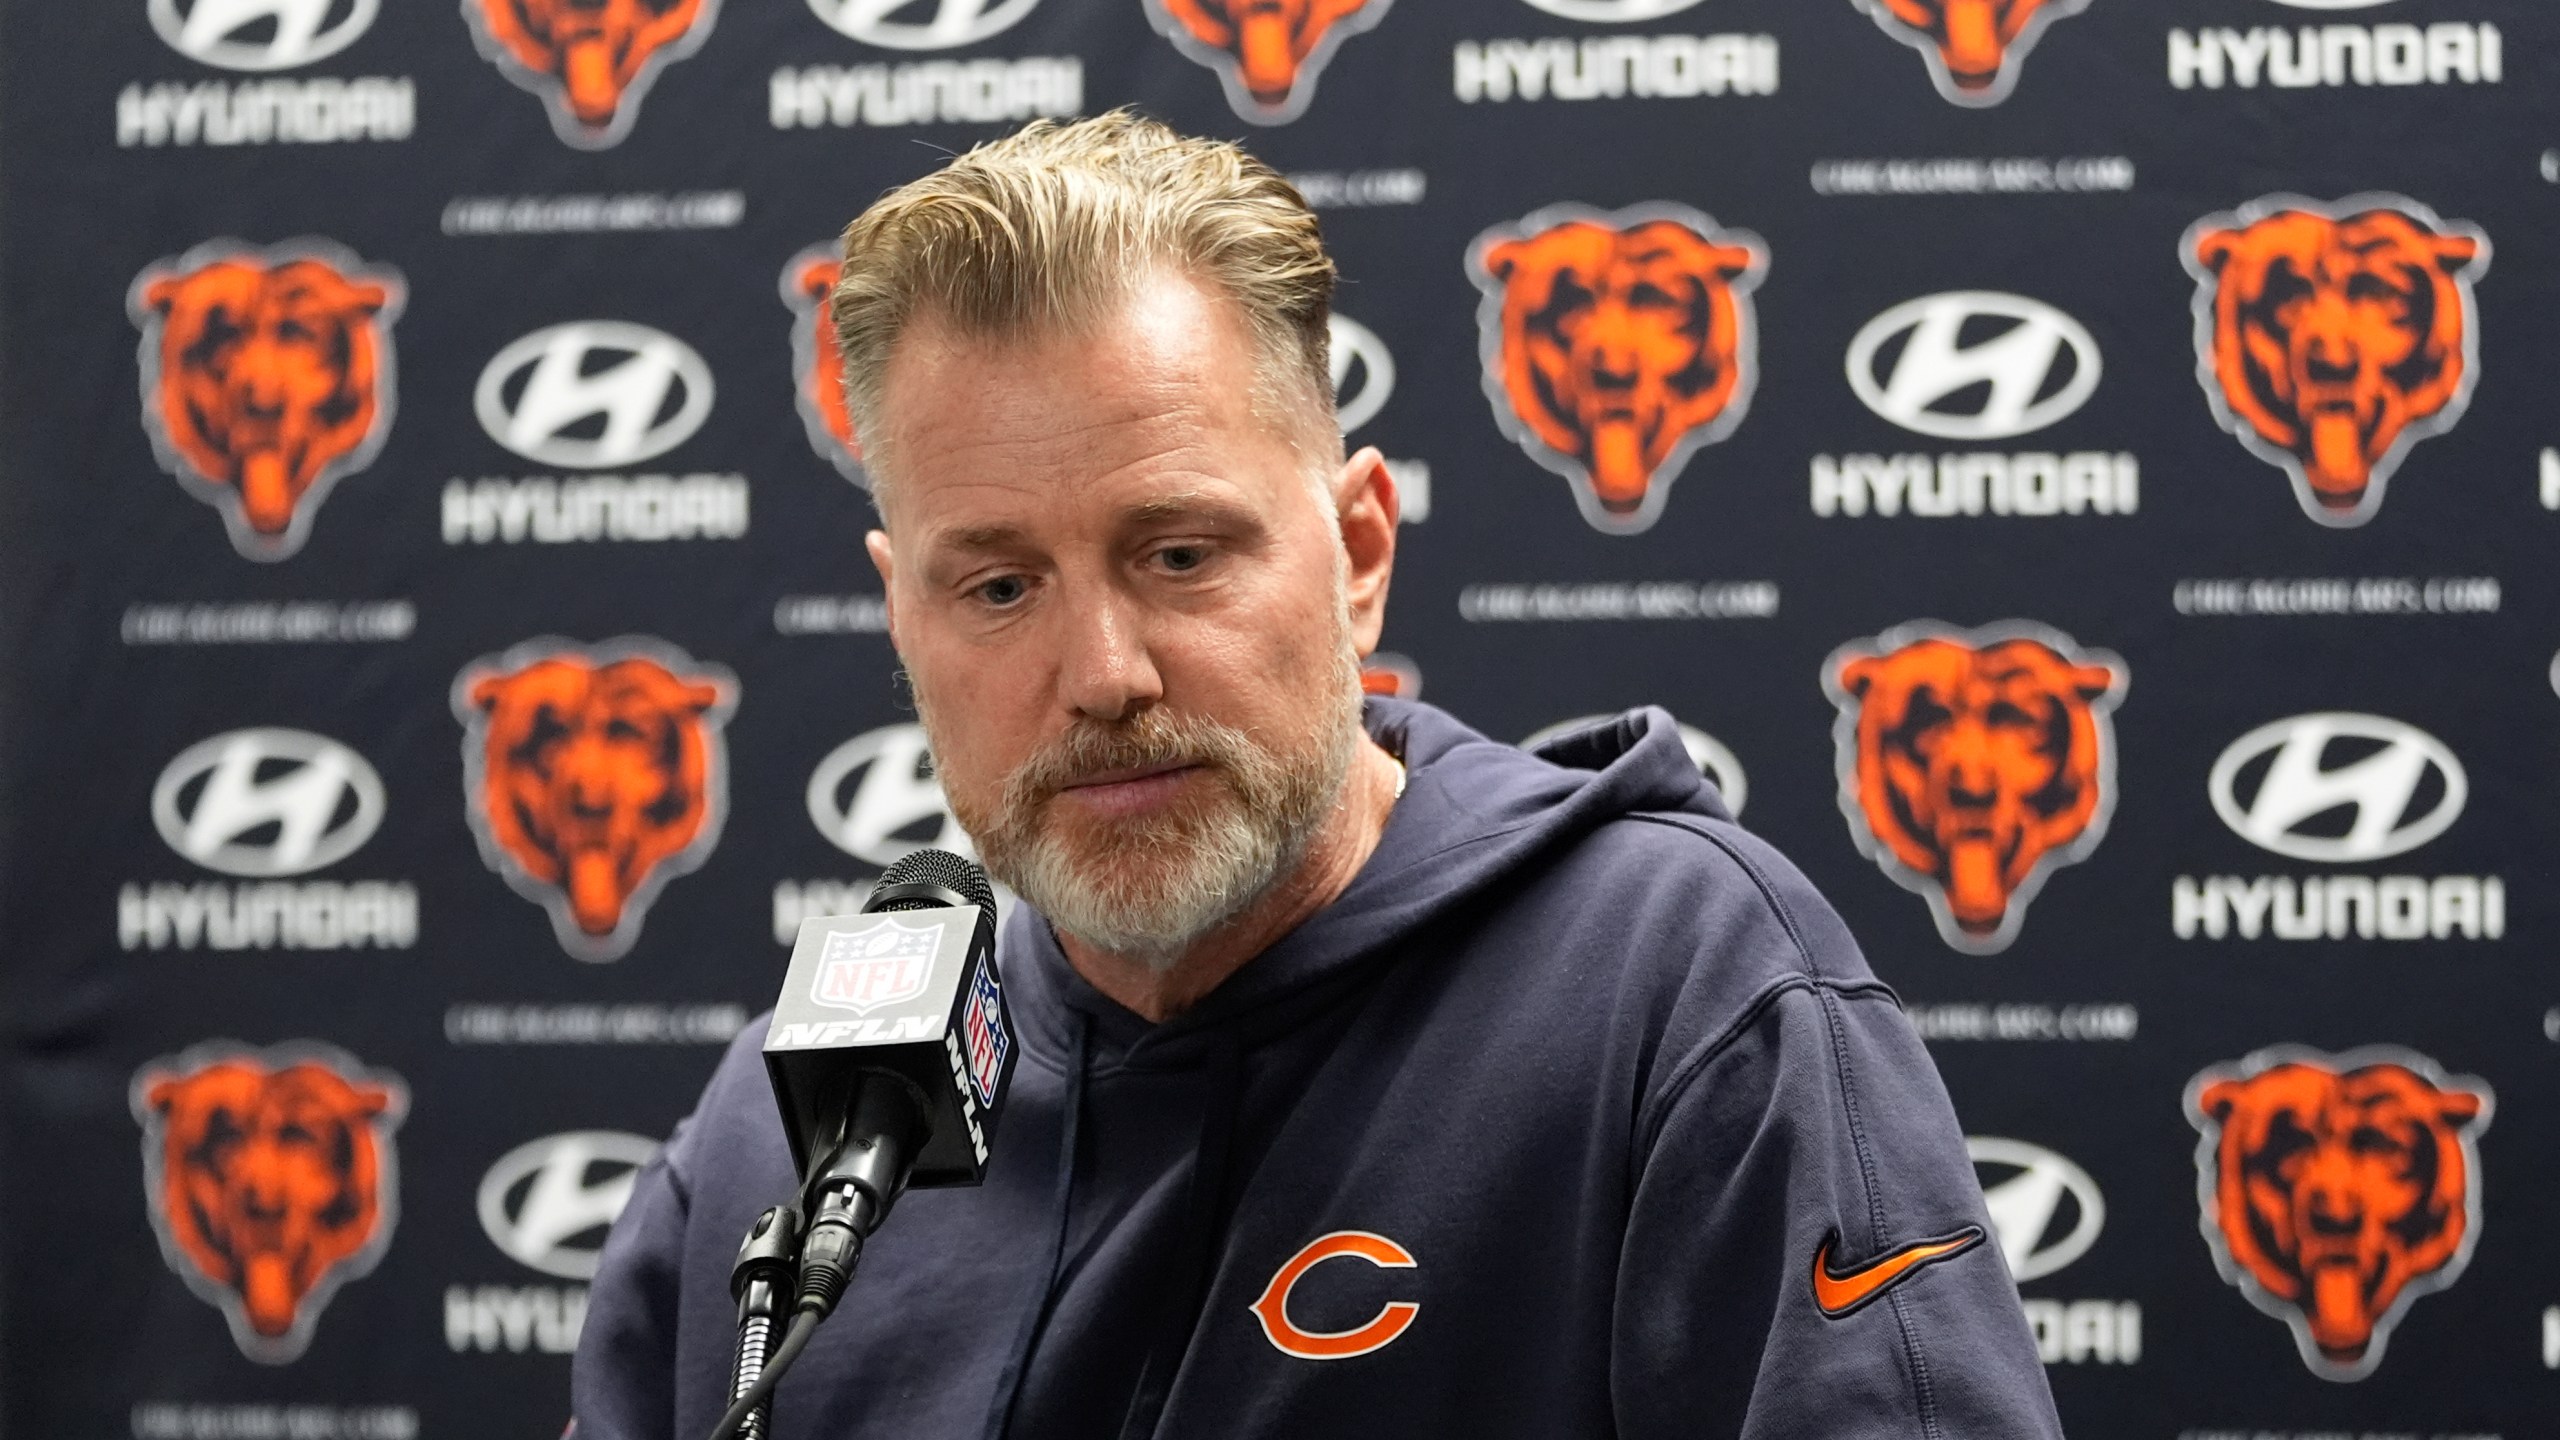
(828, 1255)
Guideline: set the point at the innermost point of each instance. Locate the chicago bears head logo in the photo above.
(806, 283)
(2331, 338)
(2336, 1189)
(1974, 47)
(271, 1179)
(1974, 762)
(1615, 345)
(1267, 53)
(1393, 676)
(591, 61)
(593, 775)
(266, 378)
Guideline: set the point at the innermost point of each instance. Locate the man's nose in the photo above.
(1105, 670)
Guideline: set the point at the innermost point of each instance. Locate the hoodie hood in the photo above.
(1474, 811)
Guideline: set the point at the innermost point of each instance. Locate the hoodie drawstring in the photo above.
(1018, 1359)
(1191, 1263)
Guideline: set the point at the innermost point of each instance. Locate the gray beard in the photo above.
(1147, 891)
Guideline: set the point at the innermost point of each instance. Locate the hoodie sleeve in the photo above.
(1806, 1215)
(622, 1383)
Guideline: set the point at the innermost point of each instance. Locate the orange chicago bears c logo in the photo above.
(266, 378)
(2331, 338)
(271, 1180)
(806, 283)
(2336, 1189)
(1271, 1308)
(1267, 53)
(591, 61)
(1974, 47)
(593, 775)
(1973, 763)
(1615, 345)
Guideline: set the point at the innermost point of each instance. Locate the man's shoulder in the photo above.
(1707, 876)
(735, 1114)
(1643, 947)
(1611, 818)
(1699, 922)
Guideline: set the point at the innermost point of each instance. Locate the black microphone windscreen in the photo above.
(954, 873)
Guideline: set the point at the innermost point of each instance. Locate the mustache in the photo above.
(1147, 739)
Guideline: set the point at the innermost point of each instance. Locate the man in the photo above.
(1376, 1079)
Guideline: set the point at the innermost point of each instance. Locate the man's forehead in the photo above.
(1140, 412)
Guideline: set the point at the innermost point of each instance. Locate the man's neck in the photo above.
(1345, 843)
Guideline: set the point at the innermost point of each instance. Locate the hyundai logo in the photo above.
(921, 24)
(266, 803)
(548, 1204)
(1612, 12)
(2045, 1210)
(2337, 787)
(1364, 374)
(1973, 365)
(261, 34)
(875, 798)
(593, 394)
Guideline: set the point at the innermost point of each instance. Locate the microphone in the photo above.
(890, 1054)
(891, 1048)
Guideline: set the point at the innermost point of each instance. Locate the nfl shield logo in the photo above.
(881, 964)
(983, 1027)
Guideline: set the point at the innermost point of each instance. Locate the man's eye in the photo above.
(1179, 558)
(1003, 590)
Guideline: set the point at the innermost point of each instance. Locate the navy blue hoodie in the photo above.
(1559, 1122)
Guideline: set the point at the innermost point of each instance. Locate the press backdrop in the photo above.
(2080, 469)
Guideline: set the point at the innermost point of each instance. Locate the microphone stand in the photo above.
(762, 1283)
(788, 1277)
(860, 1132)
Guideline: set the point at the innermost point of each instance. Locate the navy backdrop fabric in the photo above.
(2081, 468)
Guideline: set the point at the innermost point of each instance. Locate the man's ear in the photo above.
(886, 562)
(1367, 510)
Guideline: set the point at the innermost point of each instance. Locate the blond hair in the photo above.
(1048, 228)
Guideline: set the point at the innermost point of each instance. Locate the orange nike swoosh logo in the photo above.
(1838, 1292)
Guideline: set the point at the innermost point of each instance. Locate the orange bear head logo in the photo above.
(1973, 763)
(2331, 338)
(591, 61)
(1974, 47)
(266, 378)
(806, 283)
(1615, 345)
(1267, 53)
(594, 775)
(2338, 1189)
(271, 1180)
